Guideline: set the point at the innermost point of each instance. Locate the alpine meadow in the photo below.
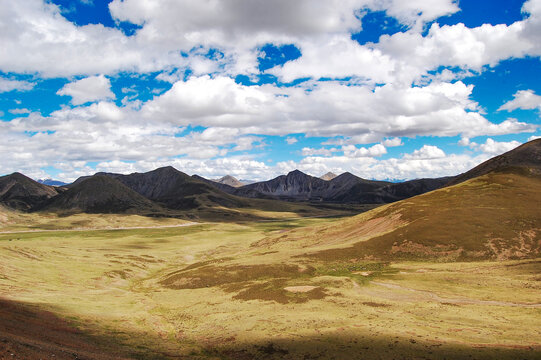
(235, 179)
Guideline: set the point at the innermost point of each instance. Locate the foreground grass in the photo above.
(221, 291)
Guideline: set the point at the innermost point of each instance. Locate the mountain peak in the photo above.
(328, 176)
(229, 180)
(296, 172)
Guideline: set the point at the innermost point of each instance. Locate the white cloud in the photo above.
(393, 142)
(19, 111)
(322, 151)
(416, 12)
(523, 99)
(352, 151)
(90, 89)
(494, 148)
(426, 152)
(531, 138)
(327, 109)
(7, 85)
(291, 140)
(402, 168)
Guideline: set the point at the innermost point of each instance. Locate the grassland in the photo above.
(245, 290)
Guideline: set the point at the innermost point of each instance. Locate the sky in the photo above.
(384, 89)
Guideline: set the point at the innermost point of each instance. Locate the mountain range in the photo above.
(168, 188)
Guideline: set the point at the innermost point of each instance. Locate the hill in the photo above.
(19, 192)
(100, 194)
(492, 216)
(527, 157)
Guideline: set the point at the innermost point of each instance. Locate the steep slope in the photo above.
(296, 185)
(100, 194)
(22, 193)
(229, 180)
(527, 157)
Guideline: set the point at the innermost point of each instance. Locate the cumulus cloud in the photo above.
(7, 85)
(328, 109)
(523, 99)
(291, 140)
(377, 104)
(352, 151)
(393, 142)
(20, 111)
(493, 148)
(396, 168)
(426, 152)
(89, 89)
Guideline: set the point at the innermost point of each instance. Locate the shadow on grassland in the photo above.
(29, 332)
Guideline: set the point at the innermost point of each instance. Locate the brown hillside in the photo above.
(527, 157)
(496, 216)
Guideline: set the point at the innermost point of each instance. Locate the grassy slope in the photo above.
(220, 290)
(217, 291)
(495, 216)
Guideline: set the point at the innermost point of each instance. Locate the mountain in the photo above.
(229, 180)
(296, 185)
(51, 182)
(371, 193)
(328, 176)
(100, 194)
(495, 215)
(345, 188)
(527, 157)
(18, 191)
(175, 190)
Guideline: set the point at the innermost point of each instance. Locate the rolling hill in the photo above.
(492, 216)
(527, 157)
(19, 192)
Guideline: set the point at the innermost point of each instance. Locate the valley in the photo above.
(452, 273)
(218, 291)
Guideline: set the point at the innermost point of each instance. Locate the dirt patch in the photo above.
(211, 275)
(375, 304)
(524, 244)
(275, 290)
(300, 289)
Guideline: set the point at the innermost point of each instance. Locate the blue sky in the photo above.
(384, 89)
